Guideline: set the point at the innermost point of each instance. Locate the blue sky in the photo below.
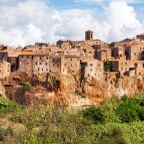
(25, 22)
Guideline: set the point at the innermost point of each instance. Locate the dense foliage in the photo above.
(7, 106)
(113, 122)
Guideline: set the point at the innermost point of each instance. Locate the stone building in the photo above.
(72, 62)
(89, 35)
(88, 52)
(4, 69)
(125, 66)
(92, 68)
(57, 65)
(64, 44)
(118, 53)
(134, 52)
(26, 62)
(40, 63)
(103, 54)
(140, 36)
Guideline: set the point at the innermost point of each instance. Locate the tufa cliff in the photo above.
(50, 89)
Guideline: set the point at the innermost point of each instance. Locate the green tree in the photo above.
(106, 65)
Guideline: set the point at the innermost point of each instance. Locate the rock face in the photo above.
(56, 88)
(2, 89)
(113, 87)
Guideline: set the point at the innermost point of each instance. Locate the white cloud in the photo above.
(118, 23)
(28, 21)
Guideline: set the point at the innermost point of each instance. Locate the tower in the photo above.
(89, 35)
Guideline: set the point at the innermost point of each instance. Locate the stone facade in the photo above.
(78, 57)
(141, 36)
(4, 69)
(92, 68)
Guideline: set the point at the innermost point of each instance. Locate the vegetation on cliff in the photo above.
(114, 121)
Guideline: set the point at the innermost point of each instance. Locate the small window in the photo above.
(53, 65)
(136, 65)
(40, 63)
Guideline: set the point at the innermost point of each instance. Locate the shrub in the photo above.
(130, 110)
(95, 114)
(26, 85)
(7, 106)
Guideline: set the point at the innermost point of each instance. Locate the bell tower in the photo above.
(88, 35)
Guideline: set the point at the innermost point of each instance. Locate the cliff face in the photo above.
(55, 88)
(113, 87)
(2, 89)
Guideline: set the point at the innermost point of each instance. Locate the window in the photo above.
(38, 69)
(40, 63)
(46, 63)
(53, 65)
(136, 65)
(91, 64)
(36, 63)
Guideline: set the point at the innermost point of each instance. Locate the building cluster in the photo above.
(86, 58)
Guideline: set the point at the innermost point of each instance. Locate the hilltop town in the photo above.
(86, 60)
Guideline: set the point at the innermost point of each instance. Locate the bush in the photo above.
(7, 106)
(95, 114)
(130, 110)
(26, 85)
